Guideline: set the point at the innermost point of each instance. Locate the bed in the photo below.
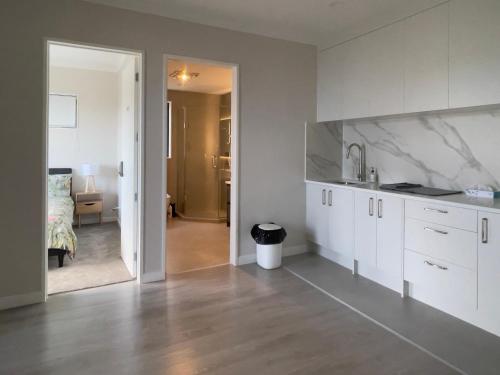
(61, 238)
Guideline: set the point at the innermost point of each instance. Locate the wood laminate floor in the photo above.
(221, 320)
(194, 244)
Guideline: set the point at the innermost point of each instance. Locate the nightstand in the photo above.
(88, 203)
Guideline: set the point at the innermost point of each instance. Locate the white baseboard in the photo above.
(247, 259)
(17, 300)
(287, 251)
(151, 277)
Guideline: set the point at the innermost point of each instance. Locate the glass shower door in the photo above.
(198, 183)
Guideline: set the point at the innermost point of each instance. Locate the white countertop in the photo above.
(459, 200)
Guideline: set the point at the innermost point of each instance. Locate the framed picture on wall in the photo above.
(63, 111)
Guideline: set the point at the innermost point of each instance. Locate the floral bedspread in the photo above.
(60, 224)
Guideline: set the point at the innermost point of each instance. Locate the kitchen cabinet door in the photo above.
(489, 265)
(341, 225)
(330, 83)
(474, 52)
(426, 60)
(365, 228)
(374, 73)
(390, 229)
(317, 214)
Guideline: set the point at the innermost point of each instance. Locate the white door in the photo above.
(365, 242)
(317, 214)
(127, 155)
(341, 223)
(489, 267)
(390, 234)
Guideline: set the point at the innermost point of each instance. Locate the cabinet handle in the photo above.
(435, 230)
(379, 208)
(323, 197)
(330, 198)
(435, 210)
(484, 230)
(370, 207)
(435, 265)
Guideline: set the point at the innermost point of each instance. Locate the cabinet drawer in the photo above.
(461, 218)
(88, 207)
(445, 243)
(444, 284)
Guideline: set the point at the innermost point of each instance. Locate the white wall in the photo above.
(95, 138)
(277, 95)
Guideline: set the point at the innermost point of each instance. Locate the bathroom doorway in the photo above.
(200, 163)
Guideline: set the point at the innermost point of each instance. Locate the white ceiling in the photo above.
(213, 79)
(85, 58)
(319, 22)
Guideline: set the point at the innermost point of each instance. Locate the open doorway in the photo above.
(93, 121)
(200, 170)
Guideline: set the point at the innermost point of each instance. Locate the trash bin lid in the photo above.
(269, 227)
(268, 234)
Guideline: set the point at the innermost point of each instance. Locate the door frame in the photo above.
(139, 125)
(235, 165)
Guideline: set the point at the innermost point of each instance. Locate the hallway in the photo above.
(193, 245)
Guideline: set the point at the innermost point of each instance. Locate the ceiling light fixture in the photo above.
(182, 75)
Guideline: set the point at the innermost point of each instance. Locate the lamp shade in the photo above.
(88, 169)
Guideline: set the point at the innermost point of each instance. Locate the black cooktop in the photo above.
(405, 187)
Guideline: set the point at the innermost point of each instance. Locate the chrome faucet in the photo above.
(361, 165)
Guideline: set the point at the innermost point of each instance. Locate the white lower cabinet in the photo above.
(330, 219)
(317, 214)
(365, 227)
(447, 256)
(489, 269)
(341, 224)
(440, 283)
(378, 240)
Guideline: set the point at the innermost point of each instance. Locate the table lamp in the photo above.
(89, 171)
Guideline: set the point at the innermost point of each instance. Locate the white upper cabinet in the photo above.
(330, 83)
(426, 60)
(374, 73)
(474, 52)
(445, 57)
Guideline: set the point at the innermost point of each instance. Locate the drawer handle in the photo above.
(89, 204)
(484, 230)
(435, 265)
(435, 230)
(435, 210)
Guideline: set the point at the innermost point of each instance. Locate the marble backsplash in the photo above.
(446, 150)
(324, 151)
